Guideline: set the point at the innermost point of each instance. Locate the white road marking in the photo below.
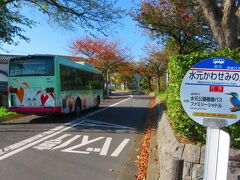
(67, 142)
(93, 123)
(89, 149)
(96, 149)
(29, 140)
(120, 148)
(84, 142)
(4, 156)
(49, 144)
(106, 146)
(27, 143)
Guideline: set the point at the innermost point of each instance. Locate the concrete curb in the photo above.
(153, 171)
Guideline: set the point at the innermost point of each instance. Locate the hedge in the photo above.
(180, 121)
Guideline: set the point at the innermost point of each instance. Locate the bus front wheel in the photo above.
(78, 107)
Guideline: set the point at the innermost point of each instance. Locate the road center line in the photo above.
(27, 143)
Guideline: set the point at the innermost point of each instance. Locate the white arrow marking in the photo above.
(120, 148)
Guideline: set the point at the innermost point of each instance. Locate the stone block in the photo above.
(197, 171)
(167, 164)
(233, 173)
(187, 170)
(191, 153)
(177, 150)
(165, 176)
(235, 164)
(234, 152)
(202, 158)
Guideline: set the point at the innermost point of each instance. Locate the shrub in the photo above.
(4, 112)
(182, 124)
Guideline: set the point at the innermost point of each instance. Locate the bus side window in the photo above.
(65, 78)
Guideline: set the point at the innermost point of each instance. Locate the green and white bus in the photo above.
(44, 84)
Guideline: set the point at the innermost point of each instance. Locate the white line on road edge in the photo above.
(27, 143)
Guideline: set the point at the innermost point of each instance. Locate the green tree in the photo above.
(179, 21)
(11, 23)
(70, 14)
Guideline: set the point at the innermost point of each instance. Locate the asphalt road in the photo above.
(101, 144)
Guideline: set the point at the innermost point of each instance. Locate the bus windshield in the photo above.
(31, 67)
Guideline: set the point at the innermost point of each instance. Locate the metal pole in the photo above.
(216, 154)
(211, 153)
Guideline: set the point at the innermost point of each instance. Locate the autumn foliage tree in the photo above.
(147, 74)
(126, 73)
(106, 55)
(157, 62)
(179, 21)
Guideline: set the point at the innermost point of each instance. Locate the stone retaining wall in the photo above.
(169, 148)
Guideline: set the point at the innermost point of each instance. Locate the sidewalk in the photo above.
(13, 117)
(153, 172)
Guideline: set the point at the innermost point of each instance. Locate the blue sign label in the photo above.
(218, 63)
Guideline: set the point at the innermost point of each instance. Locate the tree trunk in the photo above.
(229, 22)
(224, 23)
(158, 83)
(213, 16)
(107, 87)
(149, 84)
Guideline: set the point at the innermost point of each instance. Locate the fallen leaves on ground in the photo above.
(143, 153)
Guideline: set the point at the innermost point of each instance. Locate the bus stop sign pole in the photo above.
(217, 151)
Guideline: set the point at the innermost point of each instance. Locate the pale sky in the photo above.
(46, 39)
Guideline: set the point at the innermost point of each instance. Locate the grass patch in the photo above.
(4, 113)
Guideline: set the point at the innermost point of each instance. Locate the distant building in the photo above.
(4, 59)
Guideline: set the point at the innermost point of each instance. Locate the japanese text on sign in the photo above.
(221, 76)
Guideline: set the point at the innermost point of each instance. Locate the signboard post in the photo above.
(209, 96)
(138, 78)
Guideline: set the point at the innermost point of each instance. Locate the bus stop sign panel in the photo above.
(211, 90)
